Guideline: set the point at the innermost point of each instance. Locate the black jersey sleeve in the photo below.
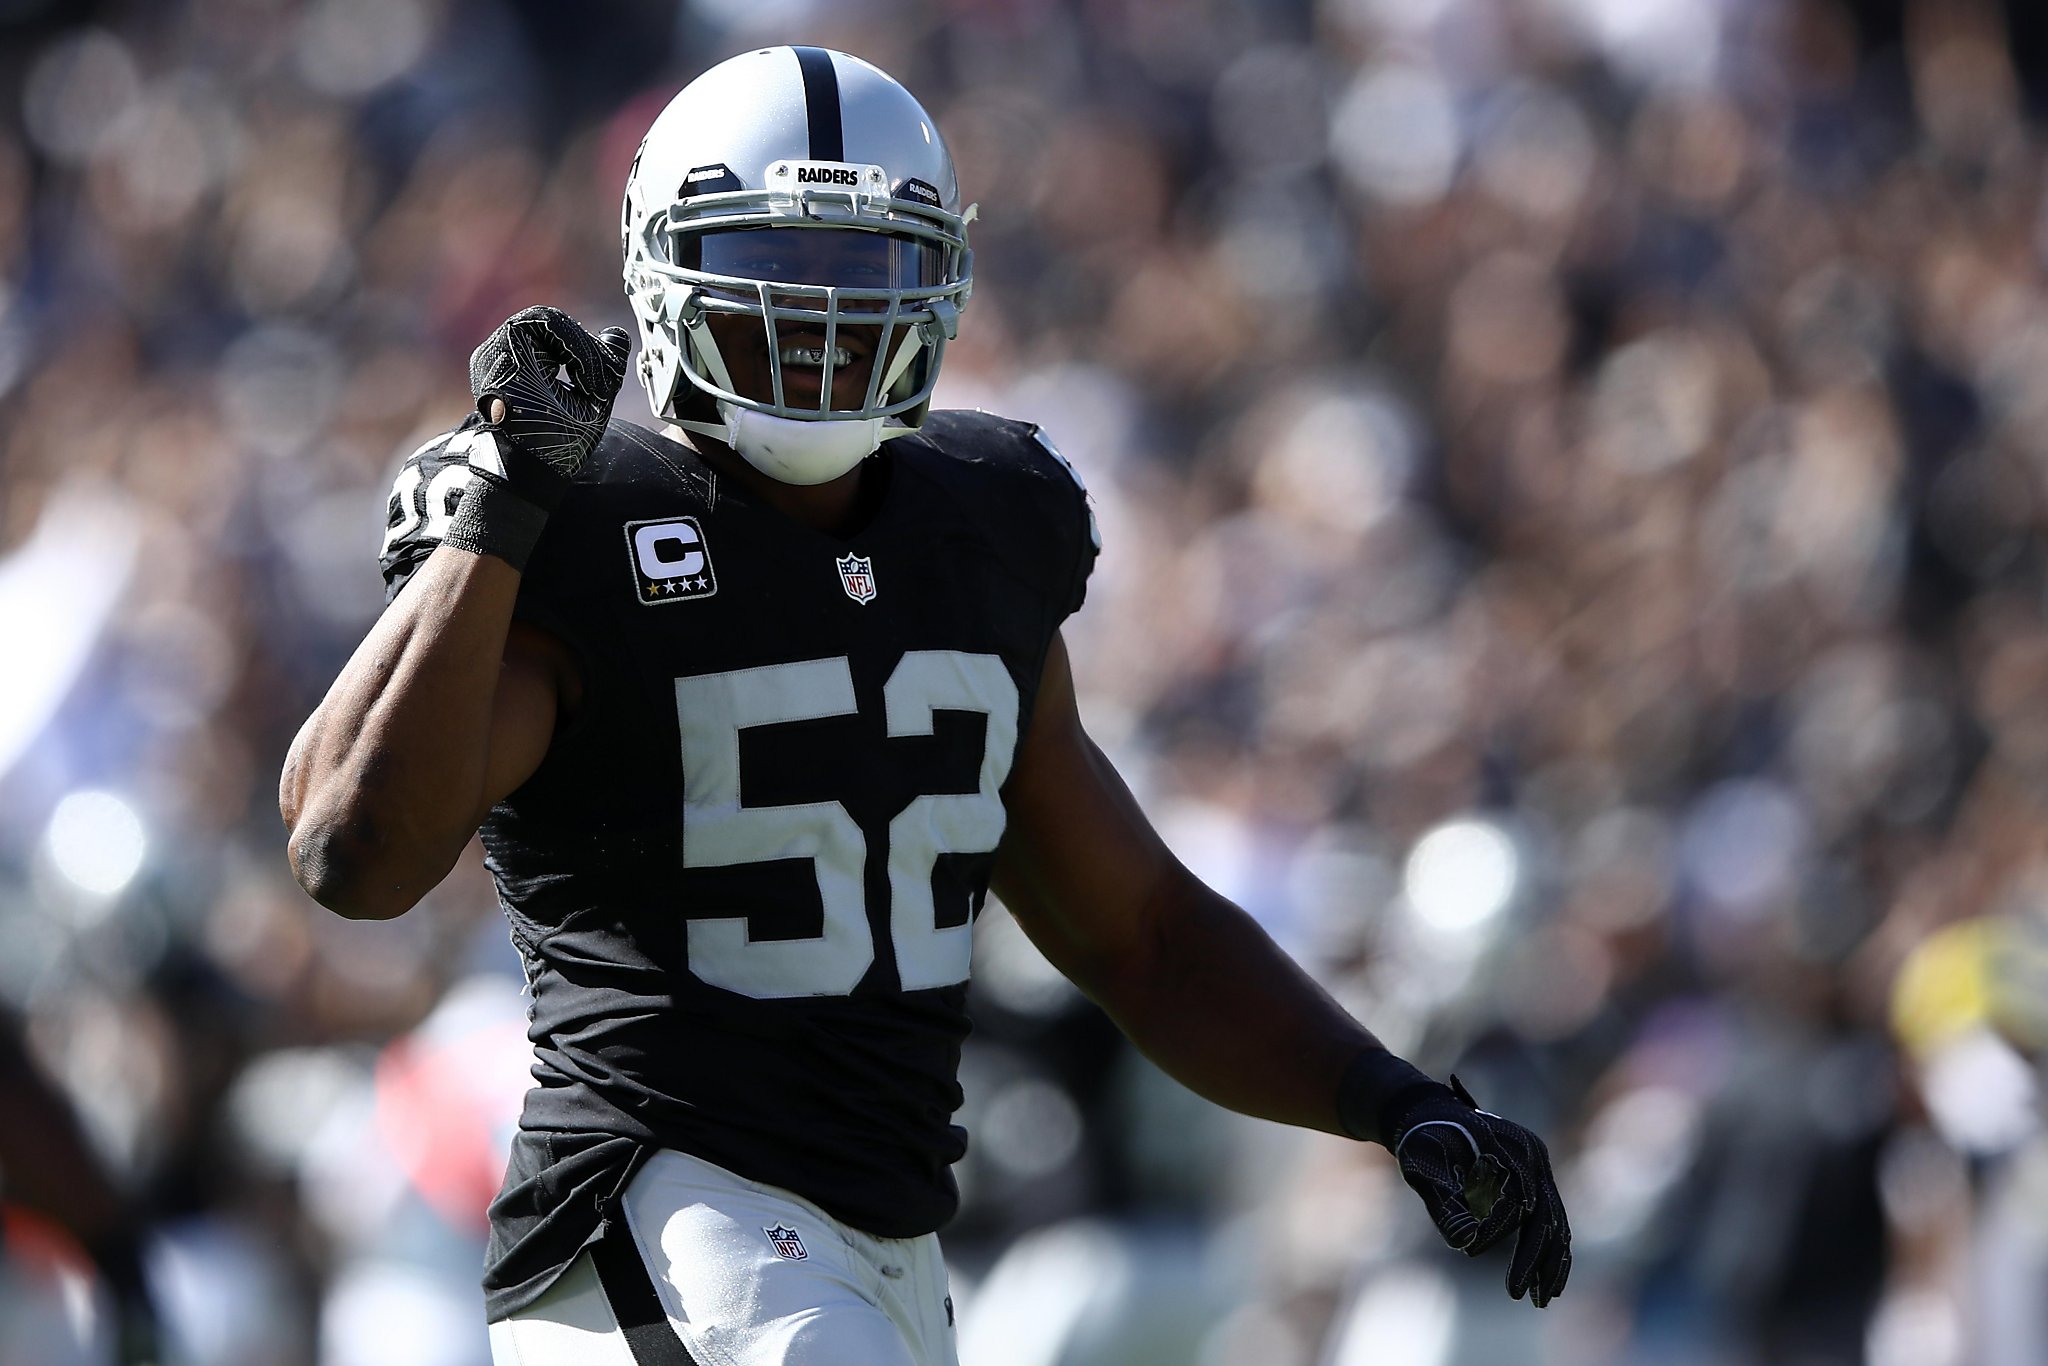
(421, 506)
(1029, 497)
(1080, 531)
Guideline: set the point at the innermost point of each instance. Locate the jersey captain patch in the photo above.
(671, 562)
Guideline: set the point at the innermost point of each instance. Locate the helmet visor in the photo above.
(849, 260)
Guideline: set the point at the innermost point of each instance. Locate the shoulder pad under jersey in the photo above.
(1028, 498)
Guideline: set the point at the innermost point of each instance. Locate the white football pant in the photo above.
(747, 1275)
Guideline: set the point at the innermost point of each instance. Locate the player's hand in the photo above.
(545, 385)
(544, 389)
(1480, 1176)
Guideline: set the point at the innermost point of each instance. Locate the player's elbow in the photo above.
(342, 865)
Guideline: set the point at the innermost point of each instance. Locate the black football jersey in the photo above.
(743, 880)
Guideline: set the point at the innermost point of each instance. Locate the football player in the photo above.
(753, 710)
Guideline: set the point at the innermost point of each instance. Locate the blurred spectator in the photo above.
(52, 1170)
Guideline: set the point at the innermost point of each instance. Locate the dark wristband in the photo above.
(1375, 1089)
(531, 477)
(493, 520)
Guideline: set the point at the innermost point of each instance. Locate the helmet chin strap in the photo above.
(790, 451)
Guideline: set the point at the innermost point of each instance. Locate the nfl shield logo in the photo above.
(787, 1242)
(857, 576)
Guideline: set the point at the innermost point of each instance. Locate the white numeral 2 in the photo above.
(720, 831)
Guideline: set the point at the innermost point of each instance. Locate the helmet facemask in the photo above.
(835, 272)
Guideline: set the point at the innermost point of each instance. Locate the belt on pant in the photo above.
(629, 1287)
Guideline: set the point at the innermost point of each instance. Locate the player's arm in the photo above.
(444, 708)
(1192, 979)
(448, 705)
(1202, 990)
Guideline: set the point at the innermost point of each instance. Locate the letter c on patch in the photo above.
(668, 550)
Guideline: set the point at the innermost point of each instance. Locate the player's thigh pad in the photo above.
(752, 1275)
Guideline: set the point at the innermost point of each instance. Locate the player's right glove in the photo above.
(1479, 1175)
(544, 388)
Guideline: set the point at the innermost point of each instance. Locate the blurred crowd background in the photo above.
(1572, 475)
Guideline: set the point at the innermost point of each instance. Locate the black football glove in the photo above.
(544, 388)
(556, 383)
(1479, 1176)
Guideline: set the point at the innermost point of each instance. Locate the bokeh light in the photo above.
(1462, 875)
(97, 841)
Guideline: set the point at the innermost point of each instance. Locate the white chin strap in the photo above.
(791, 451)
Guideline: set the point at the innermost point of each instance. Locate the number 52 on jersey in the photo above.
(721, 831)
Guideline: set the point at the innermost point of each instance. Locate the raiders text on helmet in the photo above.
(795, 139)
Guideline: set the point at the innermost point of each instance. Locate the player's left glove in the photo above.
(1479, 1175)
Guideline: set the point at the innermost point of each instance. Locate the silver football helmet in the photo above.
(810, 192)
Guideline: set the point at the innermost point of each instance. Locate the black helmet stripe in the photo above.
(821, 102)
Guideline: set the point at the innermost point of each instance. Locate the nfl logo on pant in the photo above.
(787, 1242)
(857, 576)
